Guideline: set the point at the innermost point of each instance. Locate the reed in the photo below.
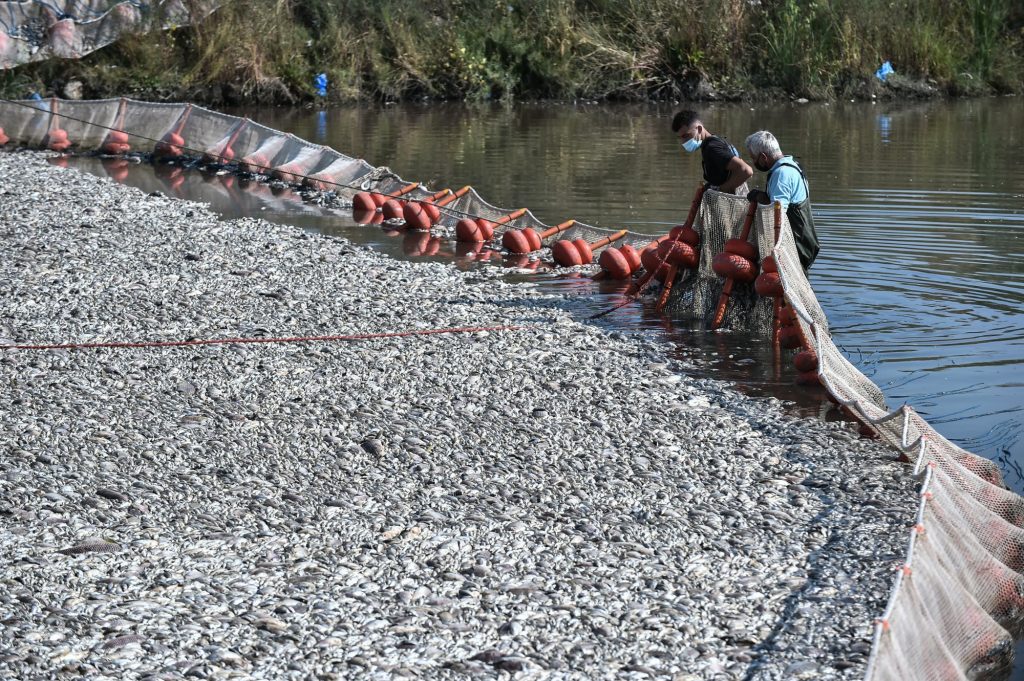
(594, 49)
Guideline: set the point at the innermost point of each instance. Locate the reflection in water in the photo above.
(918, 208)
(883, 127)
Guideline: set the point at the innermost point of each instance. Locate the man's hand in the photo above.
(759, 196)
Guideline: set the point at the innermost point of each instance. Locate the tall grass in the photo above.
(618, 49)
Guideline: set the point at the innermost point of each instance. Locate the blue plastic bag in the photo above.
(883, 71)
(320, 83)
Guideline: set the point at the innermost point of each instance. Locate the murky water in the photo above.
(919, 208)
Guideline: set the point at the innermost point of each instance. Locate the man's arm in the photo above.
(739, 172)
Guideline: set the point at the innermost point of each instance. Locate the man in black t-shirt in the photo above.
(724, 170)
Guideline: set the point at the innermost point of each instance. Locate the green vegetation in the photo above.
(594, 49)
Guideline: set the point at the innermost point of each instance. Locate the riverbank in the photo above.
(553, 499)
(555, 49)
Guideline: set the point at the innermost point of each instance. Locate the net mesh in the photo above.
(33, 30)
(958, 598)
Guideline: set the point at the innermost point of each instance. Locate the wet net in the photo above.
(33, 30)
(957, 602)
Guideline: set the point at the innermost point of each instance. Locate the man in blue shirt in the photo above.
(787, 185)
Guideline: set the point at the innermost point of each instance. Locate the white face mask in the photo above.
(691, 145)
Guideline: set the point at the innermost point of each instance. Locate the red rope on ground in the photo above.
(282, 339)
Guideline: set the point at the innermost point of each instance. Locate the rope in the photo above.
(280, 339)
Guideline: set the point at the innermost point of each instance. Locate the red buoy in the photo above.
(619, 263)
(423, 214)
(416, 216)
(808, 378)
(4, 139)
(768, 264)
(373, 200)
(654, 269)
(677, 253)
(650, 260)
(733, 266)
(472, 230)
(363, 201)
(787, 316)
(393, 209)
(116, 143)
(289, 172)
(789, 337)
(806, 360)
(768, 285)
(742, 248)
(225, 153)
(686, 234)
(578, 252)
(57, 140)
(527, 240)
(172, 145)
(482, 229)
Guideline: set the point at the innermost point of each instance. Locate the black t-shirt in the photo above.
(715, 155)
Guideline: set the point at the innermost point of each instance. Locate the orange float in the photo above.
(527, 240)
(116, 142)
(768, 285)
(226, 154)
(482, 229)
(806, 360)
(790, 337)
(368, 201)
(619, 263)
(578, 252)
(393, 209)
(686, 234)
(742, 248)
(57, 140)
(649, 257)
(172, 144)
(733, 266)
(423, 214)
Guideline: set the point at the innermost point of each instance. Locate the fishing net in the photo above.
(958, 597)
(33, 30)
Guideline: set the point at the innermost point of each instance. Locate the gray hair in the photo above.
(763, 142)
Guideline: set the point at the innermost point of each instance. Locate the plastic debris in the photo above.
(884, 71)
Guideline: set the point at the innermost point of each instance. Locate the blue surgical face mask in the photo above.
(691, 145)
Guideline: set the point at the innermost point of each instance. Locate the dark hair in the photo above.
(684, 119)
